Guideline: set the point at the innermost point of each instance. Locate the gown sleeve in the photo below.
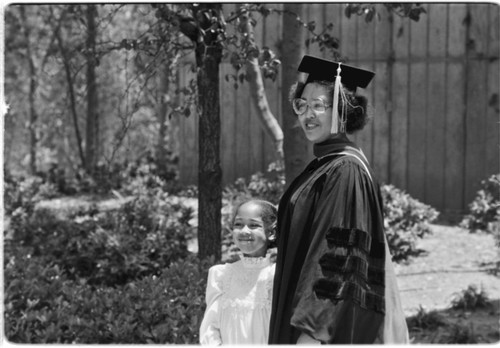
(210, 325)
(340, 292)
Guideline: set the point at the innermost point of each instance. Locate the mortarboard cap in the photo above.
(326, 70)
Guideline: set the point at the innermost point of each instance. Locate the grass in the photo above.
(463, 322)
(461, 334)
(470, 299)
(424, 320)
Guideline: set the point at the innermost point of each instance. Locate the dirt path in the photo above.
(453, 260)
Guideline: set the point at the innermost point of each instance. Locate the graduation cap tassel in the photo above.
(335, 106)
(343, 115)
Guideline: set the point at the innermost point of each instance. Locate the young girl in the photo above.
(239, 294)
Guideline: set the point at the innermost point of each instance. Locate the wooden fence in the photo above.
(435, 99)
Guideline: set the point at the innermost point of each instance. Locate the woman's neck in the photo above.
(335, 143)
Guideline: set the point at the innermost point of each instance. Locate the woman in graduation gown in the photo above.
(334, 281)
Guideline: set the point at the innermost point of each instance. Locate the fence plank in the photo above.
(188, 160)
(229, 119)
(228, 125)
(350, 51)
(399, 97)
(381, 84)
(334, 14)
(243, 131)
(455, 111)
(418, 108)
(365, 49)
(436, 89)
(475, 122)
(314, 12)
(348, 38)
(493, 117)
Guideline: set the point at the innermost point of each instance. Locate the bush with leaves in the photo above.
(141, 238)
(484, 211)
(21, 194)
(43, 306)
(268, 186)
(406, 220)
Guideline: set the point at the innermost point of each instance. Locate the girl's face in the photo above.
(249, 232)
(316, 125)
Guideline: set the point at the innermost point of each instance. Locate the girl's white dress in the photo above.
(238, 300)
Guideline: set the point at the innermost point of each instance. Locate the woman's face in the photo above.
(249, 232)
(316, 125)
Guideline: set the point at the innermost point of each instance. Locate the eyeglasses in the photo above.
(317, 105)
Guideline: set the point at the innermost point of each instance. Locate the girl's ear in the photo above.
(272, 229)
(272, 234)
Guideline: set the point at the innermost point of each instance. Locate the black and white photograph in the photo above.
(235, 173)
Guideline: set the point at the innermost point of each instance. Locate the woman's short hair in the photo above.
(356, 105)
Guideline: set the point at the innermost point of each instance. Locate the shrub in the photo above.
(425, 320)
(470, 299)
(42, 306)
(141, 179)
(405, 219)
(485, 208)
(268, 186)
(31, 291)
(146, 174)
(22, 193)
(141, 238)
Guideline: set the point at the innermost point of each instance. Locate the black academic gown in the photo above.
(330, 280)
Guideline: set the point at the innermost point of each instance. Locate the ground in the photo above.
(451, 260)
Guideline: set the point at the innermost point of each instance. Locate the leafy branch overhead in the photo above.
(369, 11)
(201, 23)
(245, 48)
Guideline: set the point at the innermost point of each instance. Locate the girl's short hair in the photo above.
(356, 105)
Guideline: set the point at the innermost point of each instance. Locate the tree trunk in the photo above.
(258, 93)
(33, 116)
(296, 147)
(92, 130)
(71, 91)
(162, 118)
(208, 58)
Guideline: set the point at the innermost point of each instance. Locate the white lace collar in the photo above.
(255, 262)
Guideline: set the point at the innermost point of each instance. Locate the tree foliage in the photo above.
(369, 11)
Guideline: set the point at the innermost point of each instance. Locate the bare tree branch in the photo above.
(257, 90)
